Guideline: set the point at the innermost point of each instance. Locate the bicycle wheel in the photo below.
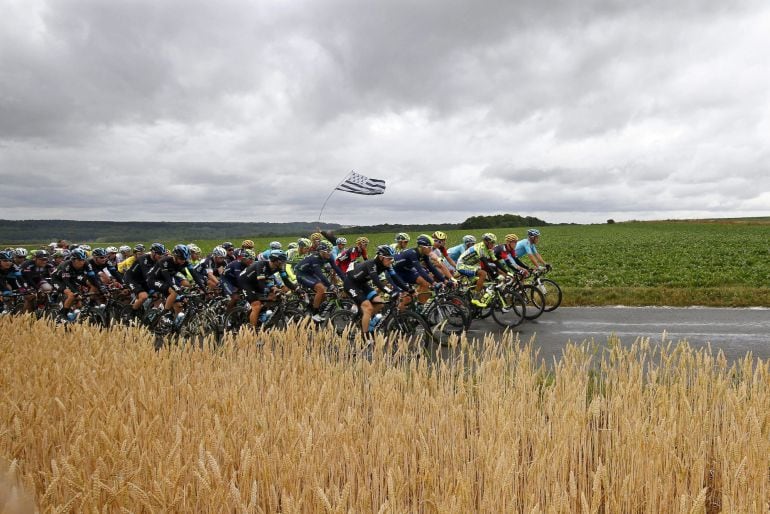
(342, 319)
(235, 320)
(410, 325)
(508, 309)
(552, 293)
(446, 318)
(290, 314)
(534, 299)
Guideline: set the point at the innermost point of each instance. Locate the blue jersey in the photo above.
(455, 252)
(525, 247)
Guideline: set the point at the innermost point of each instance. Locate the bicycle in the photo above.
(550, 289)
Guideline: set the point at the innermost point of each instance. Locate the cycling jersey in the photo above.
(254, 280)
(309, 271)
(455, 252)
(410, 264)
(229, 280)
(11, 279)
(350, 255)
(111, 269)
(34, 275)
(66, 276)
(126, 263)
(161, 276)
(525, 247)
(474, 255)
(209, 265)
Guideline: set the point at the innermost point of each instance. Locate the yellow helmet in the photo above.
(362, 241)
(247, 244)
(511, 238)
(316, 236)
(439, 235)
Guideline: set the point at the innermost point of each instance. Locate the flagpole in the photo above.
(330, 195)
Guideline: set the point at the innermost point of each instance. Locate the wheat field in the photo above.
(97, 421)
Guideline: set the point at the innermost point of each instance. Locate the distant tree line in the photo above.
(501, 221)
(34, 231)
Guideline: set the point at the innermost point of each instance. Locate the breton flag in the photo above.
(361, 185)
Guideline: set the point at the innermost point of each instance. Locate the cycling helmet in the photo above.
(227, 245)
(5, 255)
(58, 253)
(218, 252)
(111, 249)
(304, 242)
(324, 246)
(40, 254)
(385, 251)
(139, 248)
(182, 251)
(99, 252)
(158, 248)
(278, 255)
(439, 235)
(341, 241)
(362, 241)
(194, 248)
(78, 254)
(248, 253)
(86, 247)
(469, 239)
(315, 236)
(275, 245)
(511, 238)
(424, 240)
(292, 246)
(247, 243)
(533, 232)
(124, 249)
(402, 236)
(20, 252)
(489, 237)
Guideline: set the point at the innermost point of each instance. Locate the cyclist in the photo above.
(247, 244)
(527, 247)
(265, 255)
(505, 254)
(73, 275)
(349, 256)
(233, 270)
(135, 277)
(230, 249)
(456, 251)
(411, 265)
(213, 266)
(11, 278)
(126, 263)
(473, 261)
(358, 283)
(440, 256)
(124, 252)
(161, 276)
(401, 242)
(339, 246)
(112, 255)
(36, 273)
(20, 256)
(311, 275)
(104, 269)
(255, 282)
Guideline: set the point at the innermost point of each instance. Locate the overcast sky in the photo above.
(251, 110)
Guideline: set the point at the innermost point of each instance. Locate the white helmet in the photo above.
(219, 252)
(111, 249)
(276, 245)
(194, 248)
(124, 249)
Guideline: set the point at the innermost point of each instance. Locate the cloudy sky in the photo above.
(253, 110)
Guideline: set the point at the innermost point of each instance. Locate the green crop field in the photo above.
(639, 263)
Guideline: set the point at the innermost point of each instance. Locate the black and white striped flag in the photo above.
(361, 185)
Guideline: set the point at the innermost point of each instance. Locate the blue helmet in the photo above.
(182, 251)
(99, 252)
(6, 256)
(78, 254)
(158, 248)
(533, 232)
(278, 255)
(386, 251)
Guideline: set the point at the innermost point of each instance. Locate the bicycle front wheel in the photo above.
(509, 309)
(552, 293)
(446, 318)
(534, 299)
(412, 326)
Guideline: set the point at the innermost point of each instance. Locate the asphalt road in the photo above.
(734, 331)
